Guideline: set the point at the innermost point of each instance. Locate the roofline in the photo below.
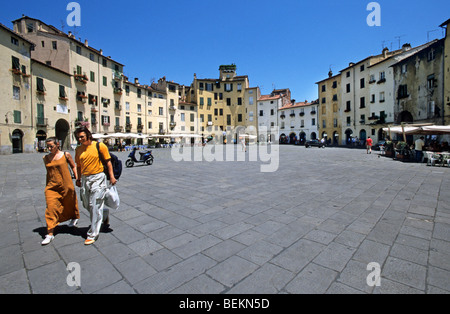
(329, 78)
(16, 34)
(445, 23)
(61, 33)
(425, 46)
(49, 66)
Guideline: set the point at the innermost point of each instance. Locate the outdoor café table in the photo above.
(439, 158)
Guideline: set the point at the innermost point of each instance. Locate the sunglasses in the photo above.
(51, 146)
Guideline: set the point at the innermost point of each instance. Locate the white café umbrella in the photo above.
(98, 136)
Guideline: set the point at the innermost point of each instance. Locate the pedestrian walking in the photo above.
(244, 149)
(369, 143)
(92, 180)
(60, 194)
(418, 147)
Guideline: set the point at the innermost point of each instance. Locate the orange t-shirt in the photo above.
(88, 159)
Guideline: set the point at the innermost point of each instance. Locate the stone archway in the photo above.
(302, 138)
(362, 134)
(348, 136)
(292, 138)
(405, 116)
(335, 138)
(62, 129)
(41, 136)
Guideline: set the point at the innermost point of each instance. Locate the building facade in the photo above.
(17, 127)
(221, 102)
(418, 85)
(329, 108)
(298, 122)
(94, 91)
(446, 95)
(267, 112)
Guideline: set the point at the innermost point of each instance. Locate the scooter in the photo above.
(146, 158)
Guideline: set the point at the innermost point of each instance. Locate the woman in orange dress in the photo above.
(60, 194)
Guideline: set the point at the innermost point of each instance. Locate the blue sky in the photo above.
(278, 44)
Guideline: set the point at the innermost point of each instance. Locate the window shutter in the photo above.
(15, 63)
(62, 92)
(40, 84)
(17, 116)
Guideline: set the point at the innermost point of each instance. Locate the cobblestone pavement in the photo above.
(313, 226)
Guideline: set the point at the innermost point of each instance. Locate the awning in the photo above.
(434, 130)
(119, 135)
(399, 129)
(420, 130)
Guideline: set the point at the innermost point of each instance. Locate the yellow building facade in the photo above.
(93, 96)
(16, 117)
(329, 117)
(221, 102)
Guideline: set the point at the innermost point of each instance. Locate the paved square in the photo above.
(311, 226)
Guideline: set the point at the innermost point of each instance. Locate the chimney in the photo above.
(330, 74)
(385, 52)
(101, 52)
(406, 47)
(86, 43)
(136, 81)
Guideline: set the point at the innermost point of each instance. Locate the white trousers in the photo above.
(92, 192)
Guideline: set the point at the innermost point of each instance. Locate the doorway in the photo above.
(17, 141)
(62, 129)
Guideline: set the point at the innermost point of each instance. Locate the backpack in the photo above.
(116, 164)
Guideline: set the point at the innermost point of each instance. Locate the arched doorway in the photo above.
(313, 136)
(17, 143)
(405, 116)
(292, 138)
(283, 138)
(302, 138)
(335, 138)
(348, 136)
(380, 134)
(362, 135)
(41, 136)
(62, 129)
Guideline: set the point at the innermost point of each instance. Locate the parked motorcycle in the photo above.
(145, 157)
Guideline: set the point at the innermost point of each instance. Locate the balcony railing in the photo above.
(41, 121)
(117, 75)
(82, 78)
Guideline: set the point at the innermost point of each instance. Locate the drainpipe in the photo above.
(443, 84)
(443, 73)
(31, 92)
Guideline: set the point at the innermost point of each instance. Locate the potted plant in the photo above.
(389, 149)
(401, 148)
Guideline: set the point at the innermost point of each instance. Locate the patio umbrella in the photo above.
(98, 136)
(432, 130)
